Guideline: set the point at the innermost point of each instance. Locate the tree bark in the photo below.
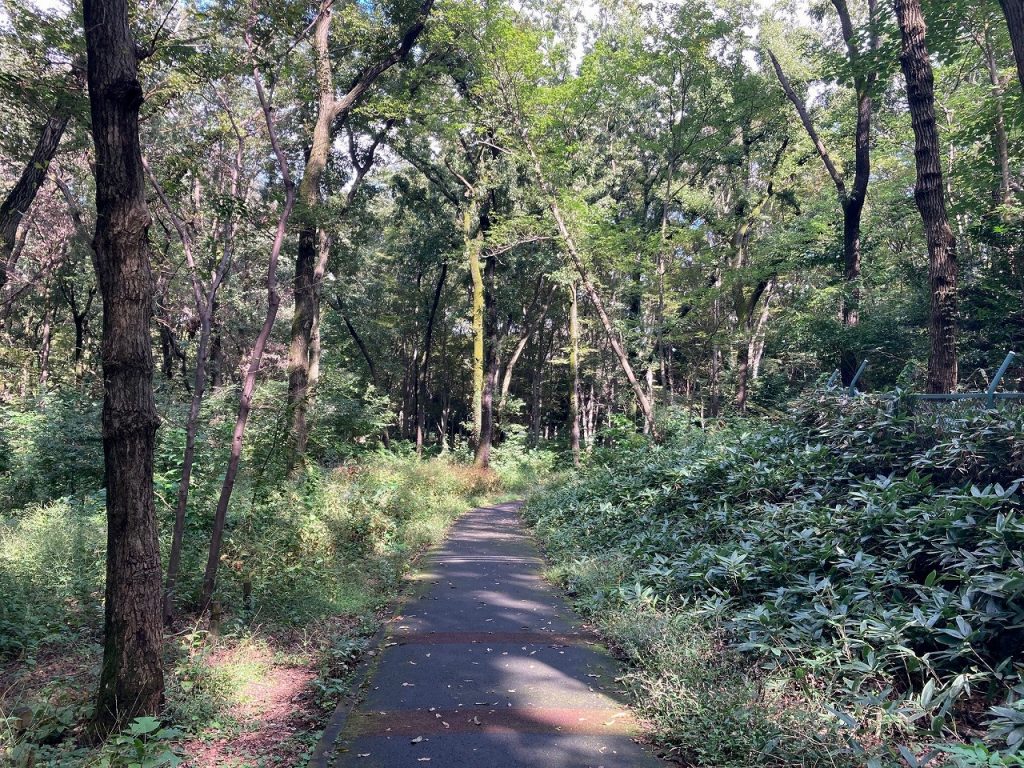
(1014, 12)
(20, 198)
(256, 356)
(473, 235)
(574, 369)
(929, 194)
(131, 679)
(483, 447)
(332, 113)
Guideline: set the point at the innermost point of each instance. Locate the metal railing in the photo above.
(990, 395)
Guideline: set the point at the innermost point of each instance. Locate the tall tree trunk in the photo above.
(424, 373)
(574, 368)
(256, 356)
(205, 300)
(131, 678)
(473, 235)
(851, 200)
(1000, 139)
(20, 198)
(483, 446)
(332, 114)
(46, 339)
(1014, 12)
(930, 196)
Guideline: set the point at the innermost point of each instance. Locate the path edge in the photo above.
(324, 751)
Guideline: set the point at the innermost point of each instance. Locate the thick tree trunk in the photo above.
(930, 196)
(1014, 12)
(20, 198)
(131, 678)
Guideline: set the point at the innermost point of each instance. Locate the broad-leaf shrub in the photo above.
(871, 553)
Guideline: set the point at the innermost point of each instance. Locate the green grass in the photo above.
(322, 556)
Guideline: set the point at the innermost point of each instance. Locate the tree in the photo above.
(131, 679)
(260, 345)
(1014, 12)
(332, 113)
(851, 198)
(929, 193)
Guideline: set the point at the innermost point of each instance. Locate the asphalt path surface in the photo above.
(487, 667)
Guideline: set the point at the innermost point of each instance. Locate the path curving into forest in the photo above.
(487, 666)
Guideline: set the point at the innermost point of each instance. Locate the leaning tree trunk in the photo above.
(256, 356)
(131, 679)
(930, 196)
(1014, 12)
(646, 406)
(18, 200)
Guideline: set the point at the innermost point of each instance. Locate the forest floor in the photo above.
(485, 664)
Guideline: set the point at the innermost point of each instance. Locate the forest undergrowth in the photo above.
(309, 566)
(841, 586)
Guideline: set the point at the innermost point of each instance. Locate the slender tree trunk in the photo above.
(1000, 139)
(46, 340)
(483, 447)
(930, 196)
(131, 678)
(595, 298)
(851, 201)
(421, 396)
(256, 356)
(574, 367)
(316, 348)
(1014, 12)
(524, 339)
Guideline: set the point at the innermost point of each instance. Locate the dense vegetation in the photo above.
(286, 284)
(308, 565)
(861, 560)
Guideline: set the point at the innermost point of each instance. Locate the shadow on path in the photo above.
(488, 668)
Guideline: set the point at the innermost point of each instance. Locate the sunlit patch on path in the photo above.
(488, 666)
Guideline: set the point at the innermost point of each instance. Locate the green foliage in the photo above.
(50, 447)
(864, 556)
(144, 744)
(51, 571)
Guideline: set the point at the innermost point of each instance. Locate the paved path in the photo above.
(488, 668)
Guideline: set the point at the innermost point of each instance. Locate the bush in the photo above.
(866, 555)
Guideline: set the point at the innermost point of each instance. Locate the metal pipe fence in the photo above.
(990, 396)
